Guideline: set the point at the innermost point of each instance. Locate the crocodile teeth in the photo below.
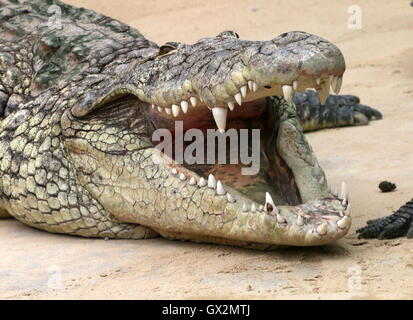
(280, 218)
(194, 101)
(324, 91)
(300, 221)
(336, 83)
(153, 106)
(182, 177)
(174, 171)
(318, 81)
(252, 85)
(244, 207)
(159, 109)
(175, 110)
(348, 210)
(344, 191)
(230, 198)
(243, 90)
(168, 110)
(253, 208)
(212, 182)
(184, 106)
(231, 106)
(238, 98)
(261, 208)
(220, 117)
(220, 189)
(343, 223)
(269, 203)
(192, 182)
(295, 85)
(288, 92)
(322, 229)
(202, 183)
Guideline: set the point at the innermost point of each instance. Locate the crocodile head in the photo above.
(226, 83)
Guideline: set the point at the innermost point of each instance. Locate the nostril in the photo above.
(283, 35)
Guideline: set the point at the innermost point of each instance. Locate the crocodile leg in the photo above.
(396, 225)
(339, 110)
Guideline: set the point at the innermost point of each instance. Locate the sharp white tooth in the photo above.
(300, 221)
(238, 98)
(184, 106)
(194, 101)
(288, 93)
(322, 229)
(182, 177)
(220, 189)
(230, 198)
(348, 210)
(295, 85)
(212, 182)
(344, 222)
(324, 92)
(168, 110)
(269, 203)
(159, 109)
(231, 106)
(174, 171)
(220, 117)
(344, 191)
(261, 208)
(254, 86)
(250, 85)
(280, 218)
(344, 202)
(192, 182)
(202, 183)
(244, 207)
(336, 84)
(175, 110)
(153, 106)
(253, 208)
(243, 90)
(318, 81)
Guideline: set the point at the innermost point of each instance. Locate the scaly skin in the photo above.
(76, 154)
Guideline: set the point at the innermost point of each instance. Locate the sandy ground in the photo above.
(380, 70)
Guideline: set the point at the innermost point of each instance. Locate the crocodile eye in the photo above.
(228, 34)
(168, 48)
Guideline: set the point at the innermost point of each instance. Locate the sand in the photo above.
(379, 57)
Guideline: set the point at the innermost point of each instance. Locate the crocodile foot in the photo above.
(338, 111)
(398, 224)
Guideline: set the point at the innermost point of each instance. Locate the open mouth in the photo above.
(289, 184)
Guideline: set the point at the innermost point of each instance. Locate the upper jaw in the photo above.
(251, 70)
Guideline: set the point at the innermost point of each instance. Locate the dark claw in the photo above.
(396, 225)
(369, 112)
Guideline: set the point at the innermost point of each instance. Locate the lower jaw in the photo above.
(307, 214)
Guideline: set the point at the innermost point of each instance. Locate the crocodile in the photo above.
(84, 97)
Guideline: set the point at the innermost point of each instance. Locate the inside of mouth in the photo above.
(273, 176)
